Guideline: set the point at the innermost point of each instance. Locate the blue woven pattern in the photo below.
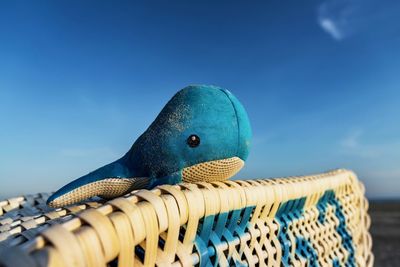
(216, 232)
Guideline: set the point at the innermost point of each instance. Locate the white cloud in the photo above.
(344, 18)
(262, 139)
(330, 27)
(337, 17)
(352, 140)
(352, 144)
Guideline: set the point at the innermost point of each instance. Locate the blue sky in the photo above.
(80, 80)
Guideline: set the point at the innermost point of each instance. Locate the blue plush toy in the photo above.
(202, 134)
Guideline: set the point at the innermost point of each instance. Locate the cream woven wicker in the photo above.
(318, 220)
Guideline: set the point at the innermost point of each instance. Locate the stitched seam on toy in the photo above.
(237, 121)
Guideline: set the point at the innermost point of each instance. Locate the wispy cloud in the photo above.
(260, 139)
(351, 140)
(330, 27)
(352, 144)
(334, 17)
(343, 18)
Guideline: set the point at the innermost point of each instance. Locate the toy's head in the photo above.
(202, 134)
(203, 131)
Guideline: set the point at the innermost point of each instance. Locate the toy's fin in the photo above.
(109, 181)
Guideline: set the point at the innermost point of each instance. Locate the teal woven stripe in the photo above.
(214, 230)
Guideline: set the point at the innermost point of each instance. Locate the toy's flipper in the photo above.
(109, 181)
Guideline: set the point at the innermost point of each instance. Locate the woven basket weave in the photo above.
(317, 220)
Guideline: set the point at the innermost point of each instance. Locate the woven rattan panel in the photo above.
(318, 220)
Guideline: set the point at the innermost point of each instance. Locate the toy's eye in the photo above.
(193, 140)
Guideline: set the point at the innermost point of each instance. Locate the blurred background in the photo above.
(81, 80)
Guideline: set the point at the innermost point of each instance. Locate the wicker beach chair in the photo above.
(317, 220)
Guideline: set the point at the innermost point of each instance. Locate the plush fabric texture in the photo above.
(159, 156)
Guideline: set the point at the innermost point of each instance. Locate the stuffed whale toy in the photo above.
(202, 134)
